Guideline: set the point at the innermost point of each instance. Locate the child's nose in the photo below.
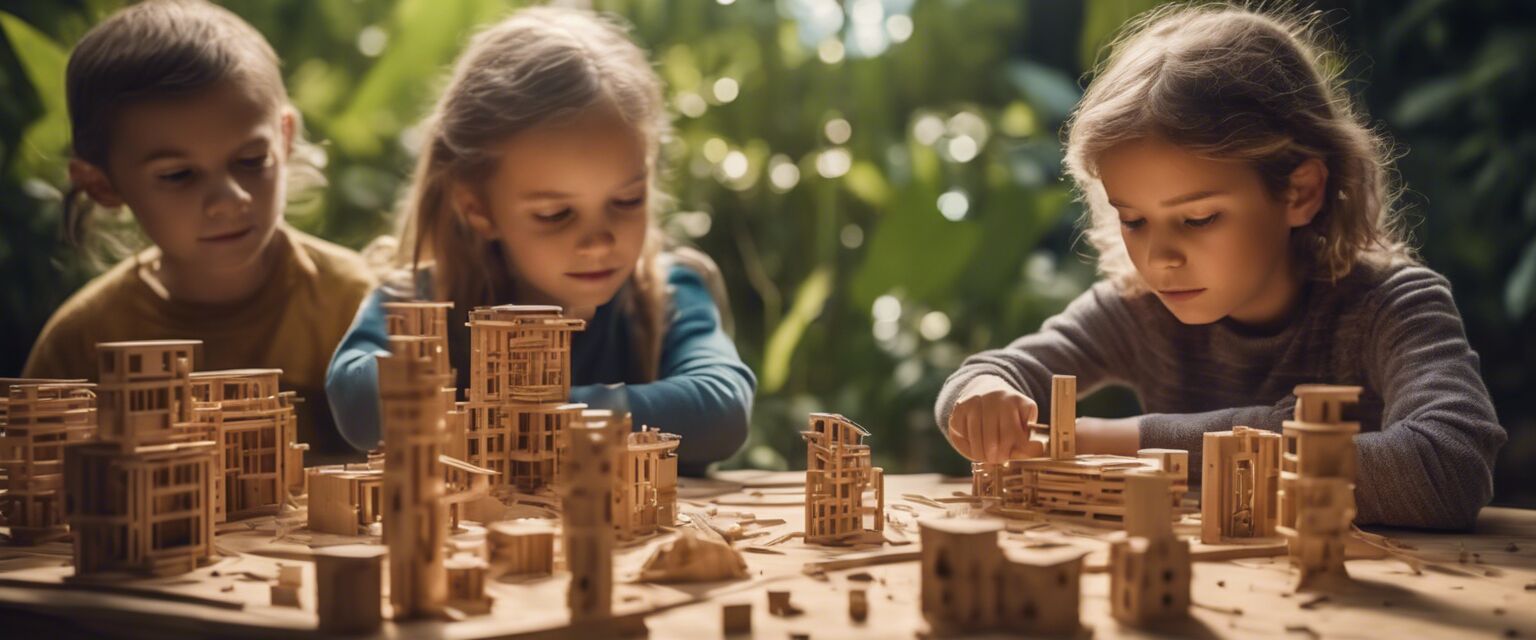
(1165, 252)
(228, 198)
(596, 240)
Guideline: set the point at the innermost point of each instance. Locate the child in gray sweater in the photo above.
(1242, 214)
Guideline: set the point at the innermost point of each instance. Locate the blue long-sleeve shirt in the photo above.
(703, 392)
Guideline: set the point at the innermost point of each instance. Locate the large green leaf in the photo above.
(43, 61)
(809, 301)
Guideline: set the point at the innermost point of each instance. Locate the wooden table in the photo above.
(1469, 585)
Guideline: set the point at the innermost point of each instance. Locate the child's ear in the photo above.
(91, 179)
(1309, 185)
(468, 204)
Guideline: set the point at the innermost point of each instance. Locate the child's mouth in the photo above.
(592, 276)
(1180, 295)
(227, 236)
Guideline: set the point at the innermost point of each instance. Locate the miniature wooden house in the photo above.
(586, 487)
(43, 417)
(255, 426)
(1150, 569)
(969, 585)
(519, 383)
(1317, 476)
(415, 513)
(837, 477)
(1239, 491)
(345, 499)
(521, 547)
(466, 585)
(140, 497)
(645, 492)
(1090, 487)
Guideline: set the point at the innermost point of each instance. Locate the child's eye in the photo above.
(629, 203)
(556, 216)
(176, 176)
(1201, 222)
(255, 162)
(1133, 224)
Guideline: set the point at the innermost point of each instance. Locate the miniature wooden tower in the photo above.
(140, 498)
(969, 585)
(44, 416)
(646, 486)
(1150, 569)
(1239, 495)
(429, 322)
(586, 488)
(253, 422)
(1063, 444)
(838, 473)
(1317, 482)
(519, 385)
(415, 515)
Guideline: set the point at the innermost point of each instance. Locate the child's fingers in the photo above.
(972, 429)
(957, 432)
(991, 432)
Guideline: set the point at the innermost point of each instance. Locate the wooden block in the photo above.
(349, 587)
(1063, 443)
(858, 605)
(779, 604)
(736, 618)
(1148, 512)
(1149, 580)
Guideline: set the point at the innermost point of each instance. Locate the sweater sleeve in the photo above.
(352, 379)
(703, 391)
(1431, 464)
(1090, 339)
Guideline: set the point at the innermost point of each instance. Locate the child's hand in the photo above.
(990, 422)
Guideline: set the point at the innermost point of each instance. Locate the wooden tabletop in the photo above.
(1480, 584)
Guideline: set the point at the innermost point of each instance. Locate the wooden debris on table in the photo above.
(779, 604)
(693, 557)
(736, 618)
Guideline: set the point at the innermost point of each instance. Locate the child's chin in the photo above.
(1194, 316)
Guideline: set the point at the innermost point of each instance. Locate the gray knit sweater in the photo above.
(1428, 437)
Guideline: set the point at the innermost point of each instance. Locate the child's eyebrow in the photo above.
(1177, 200)
(162, 154)
(558, 195)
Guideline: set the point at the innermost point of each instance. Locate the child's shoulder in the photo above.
(83, 318)
(336, 268)
(1389, 283)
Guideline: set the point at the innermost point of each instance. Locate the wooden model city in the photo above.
(138, 468)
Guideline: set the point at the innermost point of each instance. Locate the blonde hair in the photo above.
(157, 49)
(537, 65)
(1228, 83)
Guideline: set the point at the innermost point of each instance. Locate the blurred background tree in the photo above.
(879, 179)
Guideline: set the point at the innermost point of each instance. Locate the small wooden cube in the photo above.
(858, 605)
(736, 618)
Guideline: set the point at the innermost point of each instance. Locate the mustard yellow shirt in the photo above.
(293, 322)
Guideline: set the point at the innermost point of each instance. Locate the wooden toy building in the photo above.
(42, 417)
(140, 496)
(260, 463)
(838, 475)
(1317, 482)
(415, 513)
(519, 384)
(1240, 485)
(587, 524)
(970, 585)
(645, 488)
(1064, 483)
(1149, 571)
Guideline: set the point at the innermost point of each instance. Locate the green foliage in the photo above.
(879, 179)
